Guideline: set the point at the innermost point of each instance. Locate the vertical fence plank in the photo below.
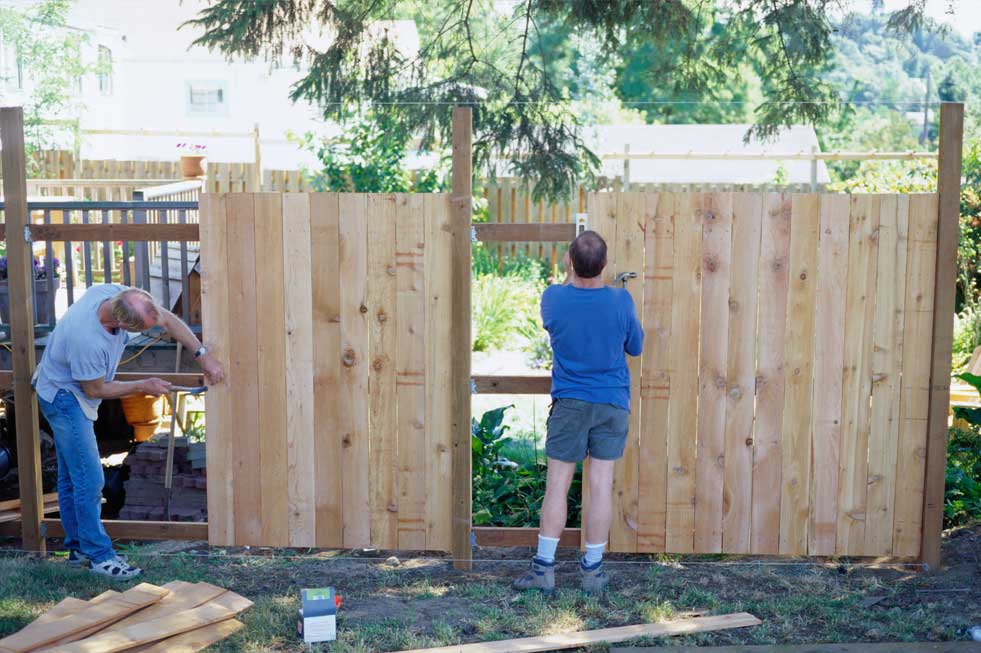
(298, 303)
(915, 390)
(655, 387)
(887, 353)
(354, 370)
(439, 358)
(714, 211)
(328, 407)
(857, 378)
(411, 376)
(87, 253)
(270, 312)
(774, 285)
(382, 424)
(944, 297)
(829, 358)
(629, 252)
(795, 448)
(682, 418)
(219, 440)
(243, 377)
(737, 493)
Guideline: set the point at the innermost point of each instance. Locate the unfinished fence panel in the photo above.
(333, 428)
(781, 405)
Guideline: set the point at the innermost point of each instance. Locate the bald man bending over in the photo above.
(74, 376)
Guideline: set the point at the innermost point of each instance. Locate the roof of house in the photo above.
(715, 139)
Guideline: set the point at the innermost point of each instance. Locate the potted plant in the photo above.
(192, 155)
(41, 298)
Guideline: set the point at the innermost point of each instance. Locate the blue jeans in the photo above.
(80, 477)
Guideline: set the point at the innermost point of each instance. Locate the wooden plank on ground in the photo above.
(243, 371)
(382, 416)
(715, 213)
(795, 448)
(195, 640)
(603, 635)
(439, 359)
(104, 612)
(860, 647)
(629, 255)
(655, 388)
(69, 606)
(328, 408)
(411, 377)
(856, 385)
(682, 418)
(887, 362)
(146, 632)
(183, 596)
(299, 359)
(215, 325)
(915, 391)
(270, 310)
(829, 356)
(737, 492)
(774, 284)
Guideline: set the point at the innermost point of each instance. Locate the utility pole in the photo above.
(926, 110)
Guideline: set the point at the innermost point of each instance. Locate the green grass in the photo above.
(424, 602)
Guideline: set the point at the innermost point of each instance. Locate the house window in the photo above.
(105, 70)
(207, 98)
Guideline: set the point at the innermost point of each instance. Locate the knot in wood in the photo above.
(382, 316)
(735, 393)
(346, 440)
(390, 270)
(363, 309)
(720, 382)
(803, 276)
(749, 442)
(709, 215)
(378, 364)
(349, 357)
(734, 305)
(711, 263)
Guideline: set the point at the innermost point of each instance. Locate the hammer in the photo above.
(623, 278)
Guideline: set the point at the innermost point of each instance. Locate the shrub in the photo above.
(962, 495)
(502, 306)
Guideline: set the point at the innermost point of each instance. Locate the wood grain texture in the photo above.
(887, 353)
(655, 387)
(684, 365)
(714, 211)
(737, 492)
(243, 370)
(299, 372)
(795, 448)
(352, 227)
(829, 355)
(382, 416)
(270, 309)
(195, 640)
(767, 438)
(327, 405)
(857, 379)
(915, 385)
(411, 379)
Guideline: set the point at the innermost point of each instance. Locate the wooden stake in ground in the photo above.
(604, 635)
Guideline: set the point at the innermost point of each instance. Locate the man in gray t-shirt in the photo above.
(75, 374)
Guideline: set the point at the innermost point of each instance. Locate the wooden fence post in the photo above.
(949, 191)
(20, 276)
(462, 213)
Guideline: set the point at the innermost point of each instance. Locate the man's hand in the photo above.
(155, 387)
(213, 371)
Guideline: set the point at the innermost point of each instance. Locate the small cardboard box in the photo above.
(318, 616)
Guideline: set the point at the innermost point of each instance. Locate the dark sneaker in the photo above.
(594, 579)
(116, 569)
(77, 559)
(540, 576)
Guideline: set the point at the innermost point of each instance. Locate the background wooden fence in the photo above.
(333, 312)
(780, 405)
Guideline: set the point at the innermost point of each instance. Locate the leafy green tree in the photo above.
(949, 90)
(471, 53)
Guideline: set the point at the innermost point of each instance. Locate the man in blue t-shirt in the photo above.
(592, 327)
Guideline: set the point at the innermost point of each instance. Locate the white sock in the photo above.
(546, 548)
(594, 554)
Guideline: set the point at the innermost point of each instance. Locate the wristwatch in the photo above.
(200, 352)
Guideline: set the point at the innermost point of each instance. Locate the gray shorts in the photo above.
(580, 428)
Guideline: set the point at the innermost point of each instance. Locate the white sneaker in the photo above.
(116, 569)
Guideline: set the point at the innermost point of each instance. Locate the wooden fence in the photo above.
(780, 405)
(334, 312)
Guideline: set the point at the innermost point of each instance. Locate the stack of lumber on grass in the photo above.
(10, 510)
(179, 616)
(146, 497)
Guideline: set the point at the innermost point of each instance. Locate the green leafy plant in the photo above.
(501, 307)
(505, 492)
(962, 497)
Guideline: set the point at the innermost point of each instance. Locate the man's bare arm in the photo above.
(101, 389)
(175, 326)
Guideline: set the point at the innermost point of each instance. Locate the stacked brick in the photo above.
(146, 497)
